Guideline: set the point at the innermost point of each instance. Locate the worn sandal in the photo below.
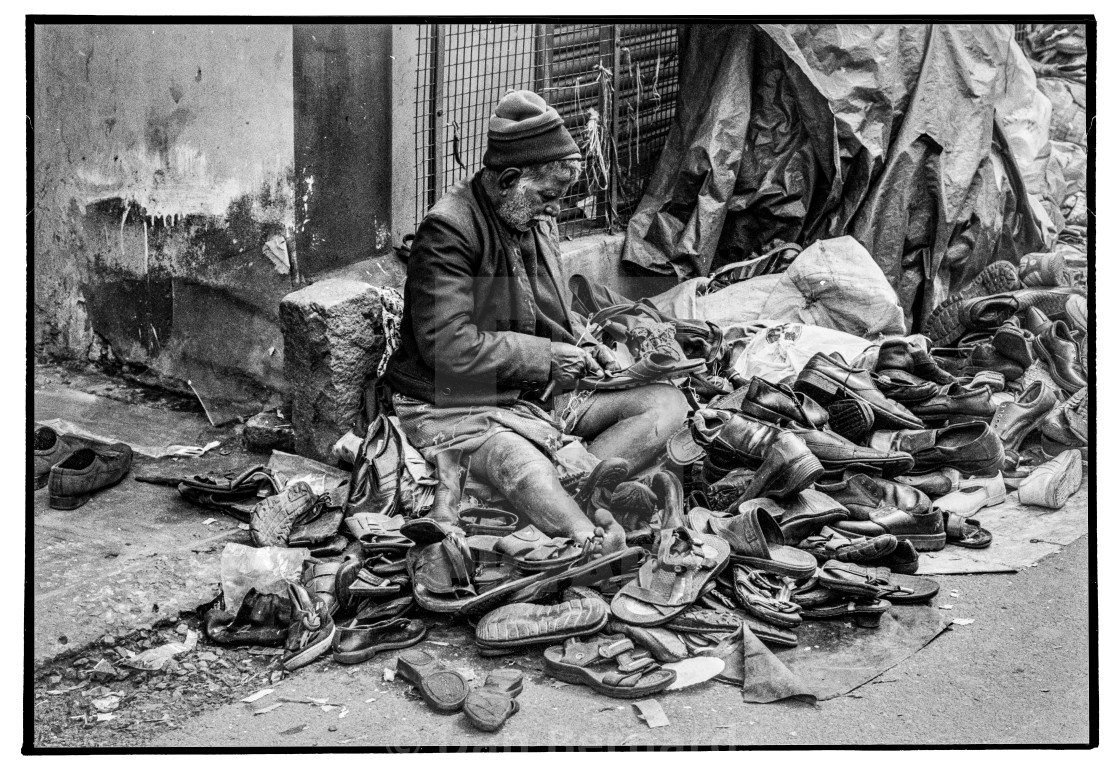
(514, 626)
(488, 521)
(965, 532)
(360, 639)
(488, 707)
(610, 665)
(767, 596)
(867, 613)
(442, 688)
(757, 541)
(534, 551)
(378, 533)
(876, 583)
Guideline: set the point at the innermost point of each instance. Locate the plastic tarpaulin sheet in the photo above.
(801, 132)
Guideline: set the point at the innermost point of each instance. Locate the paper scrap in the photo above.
(294, 730)
(209, 521)
(342, 714)
(156, 658)
(651, 711)
(258, 695)
(945, 607)
(329, 707)
(105, 717)
(304, 699)
(267, 709)
(962, 621)
(108, 703)
(388, 674)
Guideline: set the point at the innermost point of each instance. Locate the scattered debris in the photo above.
(157, 657)
(257, 695)
(294, 730)
(388, 674)
(305, 699)
(651, 712)
(108, 703)
(342, 714)
(209, 521)
(268, 708)
(962, 621)
(945, 607)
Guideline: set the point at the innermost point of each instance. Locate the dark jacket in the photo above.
(468, 335)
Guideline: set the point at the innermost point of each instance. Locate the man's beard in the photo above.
(517, 213)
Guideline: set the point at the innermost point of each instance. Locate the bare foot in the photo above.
(609, 533)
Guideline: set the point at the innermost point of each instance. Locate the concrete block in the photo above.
(331, 347)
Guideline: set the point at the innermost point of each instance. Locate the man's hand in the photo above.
(570, 363)
(605, 358)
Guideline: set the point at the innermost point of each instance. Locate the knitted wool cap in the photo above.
(525, 131)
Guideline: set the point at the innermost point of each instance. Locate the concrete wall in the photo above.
(163, 163)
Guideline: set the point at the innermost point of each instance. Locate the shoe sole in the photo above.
(852, 420)
(308, 654)
(830, 390)
(945, 323)
(361, 656)
(920, 542)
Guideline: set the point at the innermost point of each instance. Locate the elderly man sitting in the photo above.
(487, 329)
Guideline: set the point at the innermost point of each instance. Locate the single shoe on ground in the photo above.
(956, 403)
(1044, 269)
(262, 619)
(780, 405)
(1066, 426)
(74, 480)
(443, 689)
(828, 378)
(1061, 354)
(1014, 421)
(864, 612)
(972, 448)
(50, 450)
(310, 632)
(489, 706)
(876, 582)
(974, 495)
(361, 639)
(1013, 342)
(274, 517)
(1052, 483)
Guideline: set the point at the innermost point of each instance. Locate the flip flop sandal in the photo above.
(867, 613)
(668, 584)
(876, 583)
(488, 521)
(766, 597)
(320, 578)
(965, 532)
(443, 689)
(664, 645)
(378, 533)
(515, 626)
(534, 551)
(757, 541)
(488, 707)
(610, 665)
(360, 640)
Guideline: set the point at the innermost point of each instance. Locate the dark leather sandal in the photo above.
(867, 613)
(378, 533)
(966, 532)
(610, 665)
(534, 551)
(442, 688)
(488, 707)
(515, 626)
(876, 583)
(488, 521)
(359, 640)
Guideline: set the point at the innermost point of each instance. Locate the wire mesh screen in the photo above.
(614, 85)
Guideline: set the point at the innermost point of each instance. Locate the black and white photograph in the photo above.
(463, 383)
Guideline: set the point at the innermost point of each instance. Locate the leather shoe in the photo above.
(881, 508)
(1013, 342)
(905, 388)
(784, 463)
(911, 354)
(958, 313)
(827, 379)
(1061, 355)
(985, 358)
(957, 404)
(1034, 321)
(971, 448)
(1052, 302)
(74, 480)
(837, 454)
(862, 494)
(780, 405)
(1066, 426)
(50, 450)
(1013, 420)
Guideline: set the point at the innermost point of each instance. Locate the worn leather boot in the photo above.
(449, 487)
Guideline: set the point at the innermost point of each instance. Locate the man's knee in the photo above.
(507, 461)
(667, 405)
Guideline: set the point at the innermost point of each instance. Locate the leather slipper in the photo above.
(664, 645)
(488, 521)
(514, 626)
(867, 613)
(757, 540)
(359, 640)
(766, 596)
(442, 688)
(876, 583)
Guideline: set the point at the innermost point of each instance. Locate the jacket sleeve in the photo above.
(441, 291)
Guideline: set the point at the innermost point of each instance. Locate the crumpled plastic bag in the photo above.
(783, 349)
(269, 570)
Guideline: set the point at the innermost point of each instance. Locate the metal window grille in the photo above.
(615, 85)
